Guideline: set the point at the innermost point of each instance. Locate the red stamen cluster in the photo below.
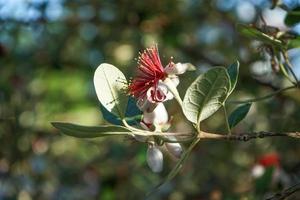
(268, 160)
(150, 71)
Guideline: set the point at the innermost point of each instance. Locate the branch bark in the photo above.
(241, 137)
(247, 136)
(285, 193)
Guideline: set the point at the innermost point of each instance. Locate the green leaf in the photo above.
(80, 131)
(238, 114)
(233, 72)
(132, 115)
(293, 17)
(206, 94)
(255, 33)
(294, 43)
(113, 119)
(110, 84)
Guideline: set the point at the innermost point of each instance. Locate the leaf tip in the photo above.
(55, 124)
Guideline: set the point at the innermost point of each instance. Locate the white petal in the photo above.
(181, 68)
(169, 96)
(158, 116)
(175, 80)
(162, 86)
(155, 158)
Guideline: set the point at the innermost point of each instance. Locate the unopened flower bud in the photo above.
(154, 158)
(257, 171)
(175, 149)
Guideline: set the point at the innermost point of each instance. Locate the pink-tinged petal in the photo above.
(179, 68)
(157, 94)
(145, 125)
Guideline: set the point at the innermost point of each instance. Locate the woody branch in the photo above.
(242, 137)
(248, 136)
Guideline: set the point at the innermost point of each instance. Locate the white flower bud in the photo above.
(155, 158)
(174, 148)
(257, 171)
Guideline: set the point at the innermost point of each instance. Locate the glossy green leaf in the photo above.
(110, 84)
(254, 33)
(206, 94)
(238, 114)
(233, 72)
(293, 17)
(80, 131)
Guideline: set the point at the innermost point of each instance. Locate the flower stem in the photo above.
(285, 73)
(226, 119)
(178, 140)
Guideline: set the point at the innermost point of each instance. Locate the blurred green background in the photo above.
(49, 50)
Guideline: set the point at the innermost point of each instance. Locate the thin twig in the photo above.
(285, 193)
(263, 97)
(226, 120)
(290, 67)
(239, 137)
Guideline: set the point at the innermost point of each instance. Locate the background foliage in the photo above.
(49, 50)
